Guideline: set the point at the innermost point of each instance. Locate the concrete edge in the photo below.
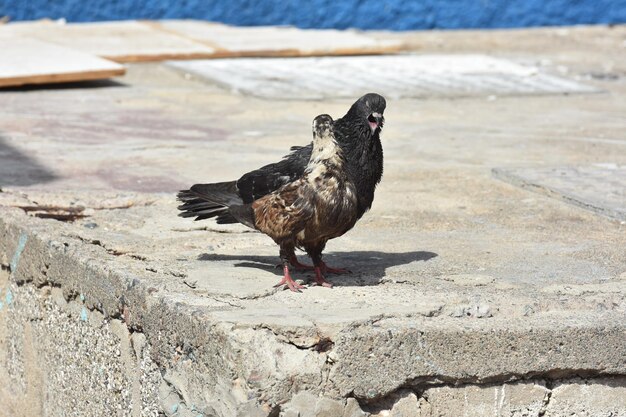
(369, 361)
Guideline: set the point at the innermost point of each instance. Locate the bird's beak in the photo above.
(376, 121)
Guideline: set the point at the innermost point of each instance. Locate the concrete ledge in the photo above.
(125, 336)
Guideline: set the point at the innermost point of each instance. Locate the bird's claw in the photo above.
(325, 284)
(295, 287)
(320, 269)
(288, 282)
(320, 280)
(292, 286)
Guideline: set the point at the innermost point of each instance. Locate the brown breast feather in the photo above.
(281, 215)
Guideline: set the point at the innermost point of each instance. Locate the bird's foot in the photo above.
(289, 282)
(319, 278)
(327, 269)
(300, 267)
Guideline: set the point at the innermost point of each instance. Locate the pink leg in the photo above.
(289, 282)
(319, 278)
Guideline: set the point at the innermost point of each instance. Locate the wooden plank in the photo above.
(127, 41)
(133, 41)
(231, 41)
(29, 61)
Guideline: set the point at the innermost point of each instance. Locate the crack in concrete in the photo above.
(170, 272)
(547, 380)
(111, 251)
(285, 337)
(210, 229)
(65, 213)
(548, 377)
(224, 301)
(387, 402)
(266, 294)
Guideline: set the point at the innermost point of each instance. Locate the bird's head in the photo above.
(322, 125)
(368, 110)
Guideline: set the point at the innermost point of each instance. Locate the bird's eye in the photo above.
(371, 119)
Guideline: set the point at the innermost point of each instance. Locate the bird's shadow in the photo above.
(367, 267)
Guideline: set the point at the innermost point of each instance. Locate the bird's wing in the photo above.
(265, 180)
(285, 212)
(204, 201)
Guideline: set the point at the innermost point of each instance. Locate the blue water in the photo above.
(363, 14)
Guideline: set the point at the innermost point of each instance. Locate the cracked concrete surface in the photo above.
(470, 296)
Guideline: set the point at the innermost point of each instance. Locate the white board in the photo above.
(29, 61)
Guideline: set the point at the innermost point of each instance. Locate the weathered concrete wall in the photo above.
(363, 14)
(79, 338)
(59, 358)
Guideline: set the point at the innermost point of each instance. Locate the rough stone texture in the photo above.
(406, 406)
(605, 397)
(463, 285)
(63, 359)
(517, 399)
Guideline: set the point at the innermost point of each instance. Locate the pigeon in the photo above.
(316, 193)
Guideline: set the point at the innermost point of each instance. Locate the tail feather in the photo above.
(208, 200)
(226, 218)
(205, 214)
(204, 201)
(221, 193)
(197, 206)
